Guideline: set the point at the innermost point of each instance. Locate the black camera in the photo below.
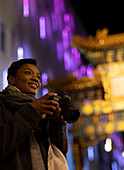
(69, 112)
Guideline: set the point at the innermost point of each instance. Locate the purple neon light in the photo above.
(20, 53)
(83, 70)
(57, 6)
(74, 50)
(44, 78)
(67, 28)
(67, 60)
(25, 8)
(76, 57)
(66, 18)
(90, 72)
(65, 39)
(65, 34)
(42, 27)
(54, 22)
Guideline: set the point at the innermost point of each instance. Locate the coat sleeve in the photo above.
(58, 135)
(14, 131)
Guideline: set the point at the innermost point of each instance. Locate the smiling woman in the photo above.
(24, 75)
(27, 79)
(28, 139)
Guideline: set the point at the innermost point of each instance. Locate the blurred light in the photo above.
(5, 82)
(44, 78)
(67, 60)
(101, 42)
(114, 166)
(54, 22)
(83, 70)
(78, 59)
(67, 28)
(86, 101)
(108, 145)
(25, 8)
(78, 73)
(20, 53)
(123, 154)
(66, 18)
(65, 39)
(44, 91)
(77, 55)
(42, 27)
(90, 153)
(90, 72)
(65, 34)
(57, 6)
(74, 50)
(108, 141)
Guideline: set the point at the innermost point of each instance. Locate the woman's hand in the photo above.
(45, 105)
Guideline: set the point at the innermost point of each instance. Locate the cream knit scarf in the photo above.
(56, 159)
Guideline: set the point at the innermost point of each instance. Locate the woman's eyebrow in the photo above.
(31, 70)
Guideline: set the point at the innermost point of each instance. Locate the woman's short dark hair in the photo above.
(12, 70)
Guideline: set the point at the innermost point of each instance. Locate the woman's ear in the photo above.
(11, 79)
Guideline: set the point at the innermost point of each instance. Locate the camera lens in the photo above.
(72, 115)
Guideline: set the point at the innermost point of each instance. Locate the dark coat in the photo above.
(15, 129)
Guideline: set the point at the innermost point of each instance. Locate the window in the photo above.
(2, 37)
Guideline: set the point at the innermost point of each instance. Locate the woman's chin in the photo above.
(32, 91)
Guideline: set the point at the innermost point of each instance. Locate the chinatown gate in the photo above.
(100, 97)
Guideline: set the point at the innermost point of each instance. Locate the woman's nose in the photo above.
(34, 77)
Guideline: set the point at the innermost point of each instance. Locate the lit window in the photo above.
(114, 166)
(42, 27)
(44, 78)
(108, 145)
(5, 83)
(20, 53)
(2, 37)
(25, 8)
(90, 151)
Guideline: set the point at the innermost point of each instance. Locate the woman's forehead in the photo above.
(30, 67)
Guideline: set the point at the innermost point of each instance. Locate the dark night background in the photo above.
(100, 14)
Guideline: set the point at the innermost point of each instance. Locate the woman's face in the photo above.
(27, 79)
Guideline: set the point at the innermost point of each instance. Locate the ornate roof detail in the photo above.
(101, 41)
(72, 83)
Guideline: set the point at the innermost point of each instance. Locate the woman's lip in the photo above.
(33, 85)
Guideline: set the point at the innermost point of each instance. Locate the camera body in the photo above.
(69, 112)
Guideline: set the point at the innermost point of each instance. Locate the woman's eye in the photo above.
(28, 72)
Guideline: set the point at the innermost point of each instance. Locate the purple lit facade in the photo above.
(45, 31)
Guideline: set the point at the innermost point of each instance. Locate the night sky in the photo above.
(95, 15)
